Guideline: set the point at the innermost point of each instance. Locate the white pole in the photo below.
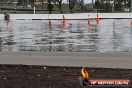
(34, 10)
(113, 6)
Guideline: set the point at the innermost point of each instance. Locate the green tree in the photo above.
(118, 6)
(81, 5)
(31, 1)
(49, 6)
(22, 2)
(19, 2)
(107, 7)
(42, 4)
(97, 4)
(72, 5)
(1, 0)
(58, 3)
(129, 4)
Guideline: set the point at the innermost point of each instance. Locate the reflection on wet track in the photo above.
(111, 35)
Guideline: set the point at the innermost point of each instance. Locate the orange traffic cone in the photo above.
(97, 19)
(63, 22)
(89, 22)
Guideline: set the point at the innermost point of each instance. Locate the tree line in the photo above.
(117, 5)
(99, 5)
(58, 3)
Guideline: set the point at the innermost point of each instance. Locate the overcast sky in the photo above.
(85, 1)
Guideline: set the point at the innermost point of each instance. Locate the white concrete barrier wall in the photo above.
(68, 16)
(1, 16)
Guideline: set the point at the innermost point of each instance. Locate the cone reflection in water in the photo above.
(7, 23)
(50, 24)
